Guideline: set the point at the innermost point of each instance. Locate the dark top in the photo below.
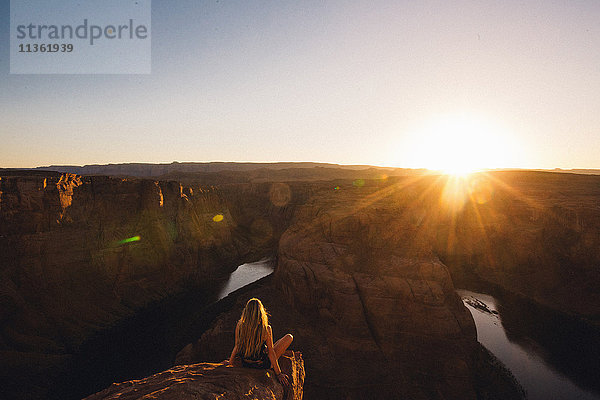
(261, 362)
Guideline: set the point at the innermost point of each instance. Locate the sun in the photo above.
(458, 170)
(458, 145)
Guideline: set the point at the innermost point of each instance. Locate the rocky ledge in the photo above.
(213, 381)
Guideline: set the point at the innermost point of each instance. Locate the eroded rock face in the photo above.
(373, 309)
(213, 381)
(359, 285)
(64, 242)
(79, 253)
(378, 302)
(531, 233)
(359, 280)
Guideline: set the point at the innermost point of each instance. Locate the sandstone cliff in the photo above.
(213, 381)
(78, 254)
(359, 286)
(363, 278)
(534, 234)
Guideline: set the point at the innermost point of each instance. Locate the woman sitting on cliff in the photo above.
(254, 346)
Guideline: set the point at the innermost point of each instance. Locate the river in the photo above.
(525, 356)
(246, 274)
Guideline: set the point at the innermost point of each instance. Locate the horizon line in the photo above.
(327, 163)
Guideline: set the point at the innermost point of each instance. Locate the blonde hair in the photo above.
(251, 330)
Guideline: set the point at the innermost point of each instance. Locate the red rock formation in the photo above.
(67, 269)
(213, 381)
(378, 302)
(359, 281)
(376, 318)
(534, 234)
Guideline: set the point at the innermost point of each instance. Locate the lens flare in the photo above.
(130, 240)
(280, 194)
(460, 189)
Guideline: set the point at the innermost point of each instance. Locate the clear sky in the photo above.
(514, 83)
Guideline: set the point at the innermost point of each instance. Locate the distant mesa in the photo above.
(247, 171)
(156, 170)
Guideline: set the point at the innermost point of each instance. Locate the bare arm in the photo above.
(235, 347)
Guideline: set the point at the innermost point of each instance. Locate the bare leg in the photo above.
(282, 344)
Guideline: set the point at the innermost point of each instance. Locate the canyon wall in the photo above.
(369, 303)
(533, 234)
(78, 254)
(364, 278)
(365, 274)
(373, 300)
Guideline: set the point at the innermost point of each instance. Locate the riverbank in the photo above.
(512, 330)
